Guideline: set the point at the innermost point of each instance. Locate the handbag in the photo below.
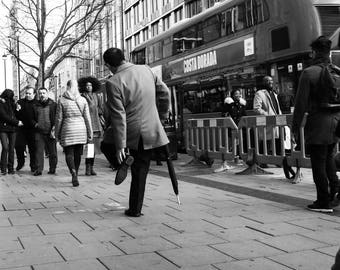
(89, 150)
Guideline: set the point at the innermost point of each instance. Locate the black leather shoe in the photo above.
(20, 166)
(11, 171)
(132, 214)
(122, 170)
(51, 172)
(37, 173)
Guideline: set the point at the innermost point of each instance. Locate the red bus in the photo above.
(231, 46)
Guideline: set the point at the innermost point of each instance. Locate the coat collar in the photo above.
(124, 67)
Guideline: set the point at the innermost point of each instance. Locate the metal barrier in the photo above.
(256, 139)
(212, 137)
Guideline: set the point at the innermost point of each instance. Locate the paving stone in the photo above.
(91, 264)
(292, 243)
(19, 268)
(192, 225)
(148, 230)
(78, 251)
(329, 250)
(77, 216)
(246, 249)
(47, 240)
(10, 244)
(28, 257)
(193, 239)
(64, 227)
(200, 267)
(195, 256)
(33, 220)
(315, 224)
(237, 234)
(16, 231)
(18, 213)
(254, 264)
(114, 235)
(21, 206)
(280, 228)
(305, 260)
(143, 245)
(112, 223)
(146, 261)
(231, 222)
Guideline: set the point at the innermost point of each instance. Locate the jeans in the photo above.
(42, 140)
(7, 154)
(324, 172)
(73, 156)
(25, 137)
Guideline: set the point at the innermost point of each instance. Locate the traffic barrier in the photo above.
(211, 138)
(220, 138)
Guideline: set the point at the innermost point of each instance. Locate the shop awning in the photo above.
(335, 38)
(191, 85)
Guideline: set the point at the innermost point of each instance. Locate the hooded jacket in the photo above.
(8, 120)
(73, 121)
(44, 115)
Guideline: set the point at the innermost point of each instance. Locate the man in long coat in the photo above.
(131, 101)
(319, 128)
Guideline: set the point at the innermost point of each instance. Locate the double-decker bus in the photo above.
(231, 45)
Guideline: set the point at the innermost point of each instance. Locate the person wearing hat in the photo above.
(319, 129)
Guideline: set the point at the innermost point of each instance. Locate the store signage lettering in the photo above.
(201, 61)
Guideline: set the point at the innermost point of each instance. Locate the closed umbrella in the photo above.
(172, 173)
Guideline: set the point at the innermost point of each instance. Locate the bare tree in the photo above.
(50, 31)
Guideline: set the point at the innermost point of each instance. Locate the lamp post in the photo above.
(17, 33)
(4, 57)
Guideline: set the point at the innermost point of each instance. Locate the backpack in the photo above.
(329, 87)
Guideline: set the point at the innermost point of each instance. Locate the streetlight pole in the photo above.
(4, 57)
(18, 66)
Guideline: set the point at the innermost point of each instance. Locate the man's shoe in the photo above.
(316, 207)
(11, 171)
(122, 170)
(37, 173)
(51, 172)
(20, 166)
(224, 167)
(132, 214)
(3, 172)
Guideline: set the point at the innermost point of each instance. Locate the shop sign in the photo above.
(290, 68)
(249, 46)
(200, 61)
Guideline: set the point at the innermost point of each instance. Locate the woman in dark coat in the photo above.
(8, 126)
(88, 86)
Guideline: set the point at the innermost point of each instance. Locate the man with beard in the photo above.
(44, 116)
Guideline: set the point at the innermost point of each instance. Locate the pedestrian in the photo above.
(131, 99)
(266, 103)
(320, 127)
(8, 125)
(88, 86)
(336, 265)
(25, 134)
(73, 127)
(44, 116)
(234, 107)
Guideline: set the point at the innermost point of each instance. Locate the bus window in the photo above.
(211, 29)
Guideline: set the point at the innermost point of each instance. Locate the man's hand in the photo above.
(120, 155)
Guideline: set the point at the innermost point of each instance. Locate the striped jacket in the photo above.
(73, 122)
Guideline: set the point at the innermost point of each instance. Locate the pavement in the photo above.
(225, 221)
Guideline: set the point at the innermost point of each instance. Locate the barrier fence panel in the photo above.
(268, 138)
(213, 137)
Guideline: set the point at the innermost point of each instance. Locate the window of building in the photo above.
(129, 45)
(178, 14)
(166, 23)
(211, 29)
(137, 39)
(145, 33)
(154, 5)
(227, 25)
(128, 19)
(194, 8)
(144, 6)
(167, 47)
(136, 13)
(154, 29)
(240, 17)
(210, 3)
(186, 40)
(165, 2)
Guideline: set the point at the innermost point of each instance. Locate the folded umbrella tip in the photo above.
(178, 201)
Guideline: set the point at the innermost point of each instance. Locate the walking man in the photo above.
(25, 134)
(131, 101)
(319, 128)
(44, 115)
